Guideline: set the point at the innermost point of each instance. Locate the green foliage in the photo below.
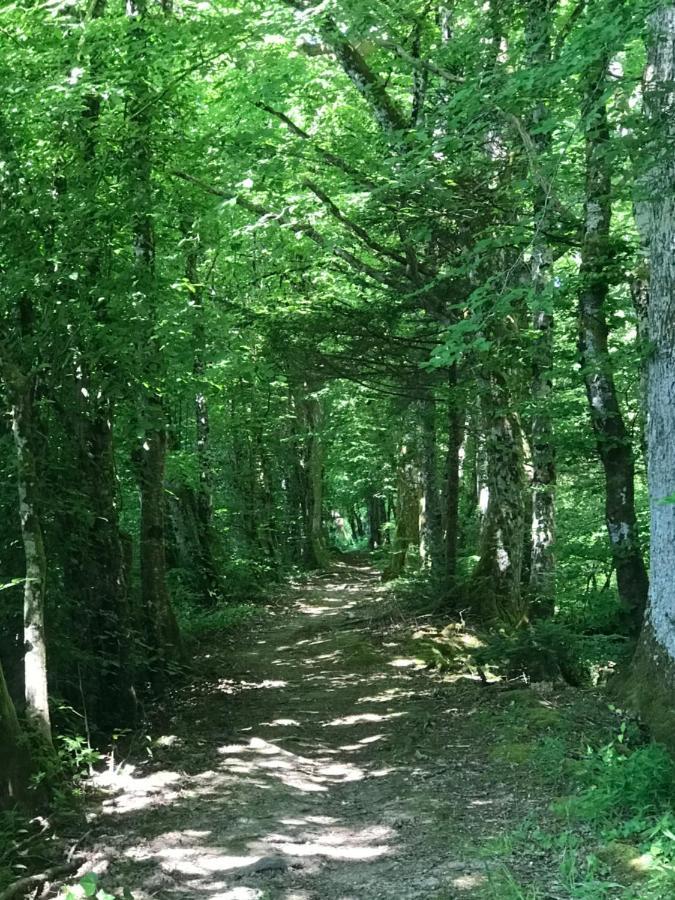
(89, 886)
(226, 618)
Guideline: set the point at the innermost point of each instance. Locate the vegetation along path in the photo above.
(322, 761)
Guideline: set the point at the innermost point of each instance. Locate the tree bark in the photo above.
(14, 753)
(150, 461)
(652, 681)
(150, 453)
(542, 560)
(35, 657)
(431, 523)
(452, 479)
(95, 572)
(309, 416)
(497, 575)
(612, 439)
(408, 499)
(205, 557)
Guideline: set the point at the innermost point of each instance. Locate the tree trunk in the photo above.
(315, 475)
(150, 460)
(14, 753)
(542, 560)
(613, 442)
(497, 575)
(452, 479)
(35, 658)
(431, 525)
(150, 454)
(408, 499)
(205, 561)
(652, 682)
(309, 417)
(95, 572)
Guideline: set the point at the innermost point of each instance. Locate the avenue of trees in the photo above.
(278, 276)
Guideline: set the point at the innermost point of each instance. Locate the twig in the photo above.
(24, 884)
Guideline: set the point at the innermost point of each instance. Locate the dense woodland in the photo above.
(286, 280)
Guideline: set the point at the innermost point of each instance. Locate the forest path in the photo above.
(317, 762)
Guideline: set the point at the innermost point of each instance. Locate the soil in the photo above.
(317, 758)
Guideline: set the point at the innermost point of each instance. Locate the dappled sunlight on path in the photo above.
(307, 769)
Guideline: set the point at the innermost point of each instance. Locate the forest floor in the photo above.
(317, 758)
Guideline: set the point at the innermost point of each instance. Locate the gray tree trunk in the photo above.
(497, 575)
(613, 441)
(652, 682)
(542, 560)
(35, 656)
(431, 522)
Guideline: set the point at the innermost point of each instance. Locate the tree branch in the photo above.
(360, 232)
(283, 220)
(335, 161)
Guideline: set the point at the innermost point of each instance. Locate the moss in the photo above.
(626, 860)
(516, 753)
(648, 688)
(541, 717)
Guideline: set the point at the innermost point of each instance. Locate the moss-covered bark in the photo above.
(649, 688)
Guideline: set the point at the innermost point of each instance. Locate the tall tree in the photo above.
(614, 444)
(653, 675)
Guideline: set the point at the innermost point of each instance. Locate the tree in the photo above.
(653, 671)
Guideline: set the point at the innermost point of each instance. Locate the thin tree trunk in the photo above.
(205, 561)
(315, 475)
(452, 478)
(542, 560)
(613, 442)
(431, 527)
(35, 658)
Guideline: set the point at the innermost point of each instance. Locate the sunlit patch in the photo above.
(133, 791)
(468, 882)
(642, 863)
(387, 696)
(281, 723)
(238, 893)
(365, 717)
(338, 843)
(407, 663)
(228, 686)
(366, 740)
(190, 861)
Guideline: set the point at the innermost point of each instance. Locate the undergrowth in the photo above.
(611, 831)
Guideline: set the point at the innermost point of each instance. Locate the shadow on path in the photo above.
(321, 763)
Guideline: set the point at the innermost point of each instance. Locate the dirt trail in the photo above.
(318, 763)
